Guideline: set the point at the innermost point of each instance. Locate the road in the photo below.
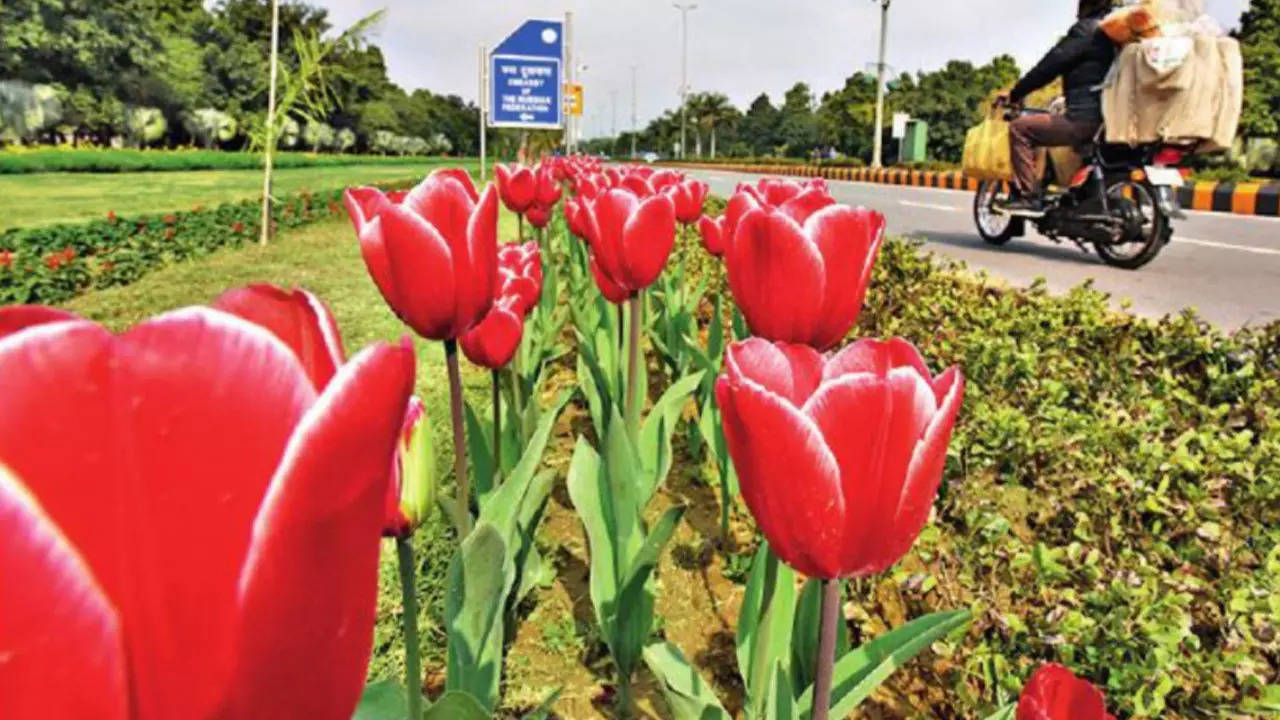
(1227, 267)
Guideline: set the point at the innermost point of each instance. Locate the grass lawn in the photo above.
(49, 198)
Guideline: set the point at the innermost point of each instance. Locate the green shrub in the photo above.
(109, 160)
(1112, 498)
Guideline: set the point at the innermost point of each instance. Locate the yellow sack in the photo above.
(986, 150)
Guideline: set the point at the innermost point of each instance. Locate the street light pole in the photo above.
(878, 143)
(684, 71)
(633, 112)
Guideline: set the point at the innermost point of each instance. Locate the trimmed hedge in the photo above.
(109, 160)
(51, 264)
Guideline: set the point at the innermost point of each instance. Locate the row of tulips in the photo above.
(248, 589)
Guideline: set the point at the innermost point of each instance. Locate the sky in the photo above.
(738, 47)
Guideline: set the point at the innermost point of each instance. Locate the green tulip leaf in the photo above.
(765, 625)
(479, 579)
(479, 452)
(456, 705)
(804, 635)
(863, 669)
(655, 433)
(383, 700)
(686, 693)
(543, 711)
(781, 704)
(1004, 713)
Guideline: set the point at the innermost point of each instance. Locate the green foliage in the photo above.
(480, 577)
(1259, 36)
(777, 646)
(607, 494)
(103, 160)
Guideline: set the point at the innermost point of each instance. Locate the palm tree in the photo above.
(711, 111)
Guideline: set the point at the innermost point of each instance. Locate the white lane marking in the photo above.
(928, 206)
(1231, 216)
(1226, 246)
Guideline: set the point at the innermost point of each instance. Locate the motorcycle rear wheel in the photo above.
(1156, 228)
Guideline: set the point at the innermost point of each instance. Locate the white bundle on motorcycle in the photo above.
(1184, 89)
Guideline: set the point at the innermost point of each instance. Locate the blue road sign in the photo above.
(526, 77)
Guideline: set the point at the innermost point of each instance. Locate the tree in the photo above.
(952, 100)
(846, 116)
(798, 128)
(709, 112)
(759, 126)
(1259, 36)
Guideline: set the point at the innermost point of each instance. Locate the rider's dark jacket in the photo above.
(1082, 59)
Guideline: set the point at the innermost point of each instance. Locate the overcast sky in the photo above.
(738, 47)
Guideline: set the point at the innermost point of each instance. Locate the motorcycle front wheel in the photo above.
(1138, 199)
(995, 228)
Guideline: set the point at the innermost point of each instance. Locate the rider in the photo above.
(1082, 59)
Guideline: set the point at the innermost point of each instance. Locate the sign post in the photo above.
(526, 75)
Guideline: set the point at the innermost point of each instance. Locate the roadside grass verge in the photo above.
(41, 199)
(118, 160)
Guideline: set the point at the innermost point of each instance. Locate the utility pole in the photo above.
(684, 72)
(613, 101)
(633, 112)
(484, 105)
(878, 143)
(571, 72)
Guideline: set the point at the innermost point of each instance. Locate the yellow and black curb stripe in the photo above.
(1226, 197)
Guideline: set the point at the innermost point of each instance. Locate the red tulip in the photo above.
(714, 236)
(223, 562)
(538, 216)
(663, 179)
(548, 188)
(689, 197)
(637, 186)
(630, 238)
(298, 318)
(839, 458)
(774, 191)
(574, 218)
(494, 341)
(516, 186)
(1054, 693)
(803, 284)
(520, 271)
(586, 187)
(20, 317)
(434, 256)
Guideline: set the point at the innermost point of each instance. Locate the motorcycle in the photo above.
(1122, 201)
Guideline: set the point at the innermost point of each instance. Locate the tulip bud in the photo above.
(411, 495)
(1055, 693)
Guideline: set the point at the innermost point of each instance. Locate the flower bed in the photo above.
(51, 264)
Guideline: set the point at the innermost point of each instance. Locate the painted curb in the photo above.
(1225, 197)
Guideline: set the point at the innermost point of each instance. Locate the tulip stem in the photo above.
(497, 428)
(622, 329)
(826, 659)
(520, 226)
(409, 618)
(463, 510)
(633, 365)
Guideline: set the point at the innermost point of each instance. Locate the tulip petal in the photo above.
(1055, 693)
(373, 249)
(462, 177)
(849, 241)
(477, 283)
(299, 319)
(875, 356)
(788, 476)
(446, 206)
(611, 291)
(20, 317)
(363, 205)
(647, 240)
(791, 371)
(189, 412)
(777, 277)
(924, 472)
(803, 206)
(317, 535)
(61, 653)
(421, 267)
